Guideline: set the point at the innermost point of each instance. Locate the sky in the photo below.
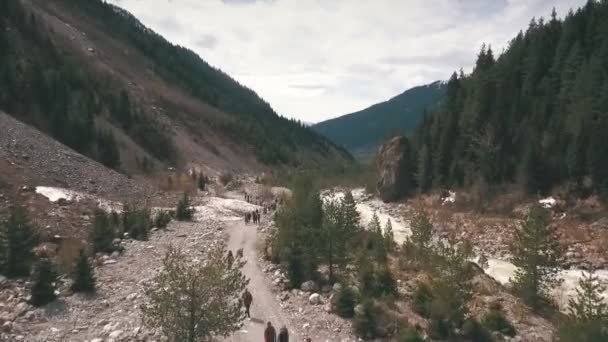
(317, 59)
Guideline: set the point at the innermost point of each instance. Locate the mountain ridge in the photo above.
(363, 131)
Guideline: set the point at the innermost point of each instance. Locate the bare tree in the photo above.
(196, 301)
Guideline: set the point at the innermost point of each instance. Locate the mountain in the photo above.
(93, 77)
(361, 132)
(536, 116)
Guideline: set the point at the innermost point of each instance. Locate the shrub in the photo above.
(386, 285)
(83, 277)
(345, 303)
(422, 298)
(495, 320)
(365, 322)
(136, 222)
(162, 219)
(67, 255)
(43, 288)
(475, 332)
(103, 232)
(409, 334)
(184, 212)
(17, 239)
(226, 178)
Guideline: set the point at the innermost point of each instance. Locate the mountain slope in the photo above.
(361, 132)
(93, 77)
(536, 116)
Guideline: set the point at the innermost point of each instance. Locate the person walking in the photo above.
(247, 300)
(283, 335)
(270, 335)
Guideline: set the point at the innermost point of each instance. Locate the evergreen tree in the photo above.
(377, 239)
(103, 231)
(17, 239)
(418, 246)
(202, 182)
(389, 237)
(43, 287)
(184, 210)
(83, 279)
(537, 255)
(333, 235)
(587, 319)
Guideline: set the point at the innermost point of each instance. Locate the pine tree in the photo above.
(587, 319)
(184, 211)
(389, 237)
(350, 216)
(418, 245)
(378, 242)
(537, 254)
(588, 305)
(43, 288)
(333, 237)
(83, 277)
(103, 232)
(17, 239)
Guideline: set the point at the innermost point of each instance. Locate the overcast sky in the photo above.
(317, 59)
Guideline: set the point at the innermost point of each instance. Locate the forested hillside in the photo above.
(361, 132)
(537, 115)
(46, 84)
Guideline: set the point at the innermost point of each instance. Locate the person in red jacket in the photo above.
(270, 335)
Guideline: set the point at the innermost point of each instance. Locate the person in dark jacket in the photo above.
(247, 300)
(270, 335)
(283, 335)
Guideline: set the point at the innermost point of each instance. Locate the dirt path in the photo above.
(265, 306)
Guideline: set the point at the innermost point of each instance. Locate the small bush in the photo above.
(422, 298)
(439, 327)
(475, 332)
(103, 231)
(83, 277)
(184, 211)
(136, 222)
(67, 255)
(162, 219)
(409, 334)
(226, 178)
(386, 285)
(345, 303)
(365, 322)
(495, 320)
(43, 288)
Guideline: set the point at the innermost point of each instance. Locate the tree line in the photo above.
(537, 115)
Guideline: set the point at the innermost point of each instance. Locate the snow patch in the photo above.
(55, 194)
(223, 209)
(548, 202)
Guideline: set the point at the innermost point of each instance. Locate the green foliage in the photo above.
(389, 236)
(203, 301)
(83, 278)
(103, 232)
(162, 219)
(417, 249)
(184, 210)
(136, 221)
(366, 322)
(495, 320)
(43, 287)
(56, 94)
(397, 116)
(587, 319)
(537, 254)
(475, 332)
(535, 115)
(422, 299)
(345, 302)
(375, 280)
(17, 239)
(202, 182)
(409, 335)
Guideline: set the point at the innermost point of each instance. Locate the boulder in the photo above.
(337, 287)
(394, 168)
(314, 299)
(310, 286)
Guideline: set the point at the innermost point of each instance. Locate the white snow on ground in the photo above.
(548, 202)
(501, 270)
(54, 194)
(223, 209)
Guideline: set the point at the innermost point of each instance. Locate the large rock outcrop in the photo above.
(394, 168)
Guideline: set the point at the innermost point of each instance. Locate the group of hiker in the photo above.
(254, 216)
(270, 334)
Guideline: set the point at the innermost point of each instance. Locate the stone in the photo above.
(310, 286)
(54, 330)
(132, 296)
(114, 335)
(315, 299)
(284, 296)
(97, 340)
(20, 309)
(109, 262)
(7, 326)
(359, 309)
(394, 169)
(337, 287)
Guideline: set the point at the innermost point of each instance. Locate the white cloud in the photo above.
(316, 59)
